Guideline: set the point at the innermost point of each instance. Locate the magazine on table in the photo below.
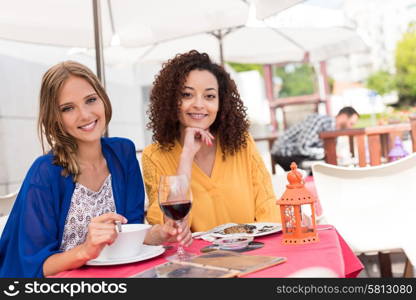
(217, 263)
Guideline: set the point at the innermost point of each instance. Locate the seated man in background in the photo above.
(301, 141)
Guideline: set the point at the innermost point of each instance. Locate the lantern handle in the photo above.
(294, 177)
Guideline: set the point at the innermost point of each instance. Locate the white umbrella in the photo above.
(267, 8)
(136, 22)
(131, 22)
(309, 30)
(257, 45)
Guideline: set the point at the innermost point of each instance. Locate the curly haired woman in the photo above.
(200, 129)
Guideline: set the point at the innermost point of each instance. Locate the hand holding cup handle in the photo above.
(118, 226)
(101, 232)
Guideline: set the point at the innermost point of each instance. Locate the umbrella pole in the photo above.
(98, 37)
(220, 36)
(327, 90)
(268, 79)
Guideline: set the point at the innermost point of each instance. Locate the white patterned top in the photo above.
(85, 205)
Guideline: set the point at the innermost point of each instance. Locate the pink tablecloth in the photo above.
(331, 252)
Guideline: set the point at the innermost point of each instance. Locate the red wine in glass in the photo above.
(176, 210)
(175, 201)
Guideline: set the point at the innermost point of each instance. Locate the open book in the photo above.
(213, 264)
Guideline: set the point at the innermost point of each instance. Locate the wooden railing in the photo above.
(380, 139)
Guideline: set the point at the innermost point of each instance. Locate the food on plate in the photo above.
(240, 228)
(250, 229)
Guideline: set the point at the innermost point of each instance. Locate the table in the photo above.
(331, 253)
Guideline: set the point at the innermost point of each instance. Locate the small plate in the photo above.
(234, 242)
(251, 246)
(260, 230)
(145, 253)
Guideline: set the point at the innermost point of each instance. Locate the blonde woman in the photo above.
(71, 197)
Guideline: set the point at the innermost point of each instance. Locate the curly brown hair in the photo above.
(231, 124)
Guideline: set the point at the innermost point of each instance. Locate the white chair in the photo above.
(279, 181)
(3, 221)
(371, 207)
(6, 203)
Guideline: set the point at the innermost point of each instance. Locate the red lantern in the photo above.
(297, 227)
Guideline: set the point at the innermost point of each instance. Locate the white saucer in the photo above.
(145, 253)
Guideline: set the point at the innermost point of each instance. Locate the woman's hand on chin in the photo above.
(195, 138)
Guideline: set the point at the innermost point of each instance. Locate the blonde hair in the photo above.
(63, 145)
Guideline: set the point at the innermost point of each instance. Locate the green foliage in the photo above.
(406, 67)
(296, 81)
(391, 115)
(382, 82)
(246, 67)
(394, 115)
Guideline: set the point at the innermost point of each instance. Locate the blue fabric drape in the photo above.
(35, 226)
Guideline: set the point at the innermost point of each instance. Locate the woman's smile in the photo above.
(197, 116)
(89, 127)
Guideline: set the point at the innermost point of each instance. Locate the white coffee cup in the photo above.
(127, 244)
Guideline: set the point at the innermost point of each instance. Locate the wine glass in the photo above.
(175, 200)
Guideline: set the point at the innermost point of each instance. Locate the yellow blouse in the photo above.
(239, 189)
